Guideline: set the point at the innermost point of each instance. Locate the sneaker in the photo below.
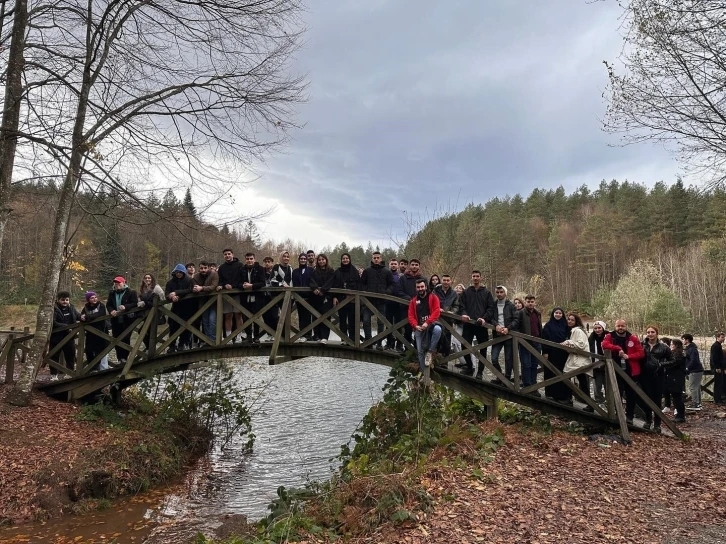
(302, 339)
(694, 407)
(428, 358)
(324, 341)
(666, 410)
(54, 378)
(647, 425)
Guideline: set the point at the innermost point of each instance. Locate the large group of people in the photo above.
(659, 366)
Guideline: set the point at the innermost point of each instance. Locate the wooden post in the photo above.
(153, 328)
(612, 382)
(8, 353)
(515, 362)
(220, 319)
(80, 350)
(357, 321)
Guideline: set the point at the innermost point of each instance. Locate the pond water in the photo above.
(303, 412)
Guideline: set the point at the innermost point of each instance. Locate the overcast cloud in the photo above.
(422, 104)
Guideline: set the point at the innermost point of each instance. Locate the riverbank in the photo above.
(525, 478)
(58, 457)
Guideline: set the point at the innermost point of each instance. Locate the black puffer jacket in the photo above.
(347, 277)
(378, 279)
(322, 278)
(478, 303)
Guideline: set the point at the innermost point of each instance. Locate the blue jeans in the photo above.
(508, 357)
(529, 365)
(425, 340)
(209, 322)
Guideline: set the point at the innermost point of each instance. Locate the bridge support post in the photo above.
(153, 328)
(614, 399)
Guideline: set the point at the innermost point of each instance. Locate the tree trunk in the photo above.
(11, 110)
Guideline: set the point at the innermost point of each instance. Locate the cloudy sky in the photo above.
(418, 107)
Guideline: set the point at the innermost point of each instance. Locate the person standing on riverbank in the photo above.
(718, 365)
(64, 314)
(695, 371)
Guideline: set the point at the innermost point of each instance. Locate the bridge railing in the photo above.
(145, 336)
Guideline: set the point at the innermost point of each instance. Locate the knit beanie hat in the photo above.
(90, 294)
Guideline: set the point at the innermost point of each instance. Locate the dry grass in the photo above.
(17, 316)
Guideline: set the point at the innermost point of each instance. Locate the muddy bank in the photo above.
(57, 458)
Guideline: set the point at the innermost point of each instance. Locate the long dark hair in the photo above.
(143, 287)
(679, 346)
(431, 279)
(324, 256)
(578, 319)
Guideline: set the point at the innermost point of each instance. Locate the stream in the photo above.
(303, 411)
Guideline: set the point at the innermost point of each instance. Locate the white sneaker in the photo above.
(666, 410)
(54, 378)
(302, 339)
(428, 358)
(323, 341)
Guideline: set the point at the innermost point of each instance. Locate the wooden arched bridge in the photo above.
(148, 343)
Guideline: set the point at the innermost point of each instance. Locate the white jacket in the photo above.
(578, 339)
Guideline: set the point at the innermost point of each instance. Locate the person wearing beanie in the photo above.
(301, 278)
(94, 311)
(119, 301)
(179, 285)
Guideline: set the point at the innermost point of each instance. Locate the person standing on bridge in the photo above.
(253, 279)
(347, 277)
(230, 277)
(507, 319)
(658, 357)
(121, 299)
(207, 281)
(301, 278)
(394, 312)
(282, 272)
(64, 314)
(407, 289)
(530, 323)
(627, 351)
(376, 279)
(449, 300)
(178, 286)
(578, 339)
(556, 330)
(148, 291)
(477, 309)
(424, 311)
(93, 311)
(321, 281)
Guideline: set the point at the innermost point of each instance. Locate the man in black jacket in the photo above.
(178, 286)
(507, 319)
(406, 289)
(718, 365)
(230, 277)
(253, 279)
(449, 300)
(63, 314)
(120, 299)
(376, 279)
(477, 309)
(530, 323)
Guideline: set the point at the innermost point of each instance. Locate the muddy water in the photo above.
(303, 412)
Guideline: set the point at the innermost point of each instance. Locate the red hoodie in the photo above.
(434, 310)
(633, 349)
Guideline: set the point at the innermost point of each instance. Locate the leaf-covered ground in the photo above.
(565, 488)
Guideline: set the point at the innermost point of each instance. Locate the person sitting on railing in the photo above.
(658, 357)
(94, 310)
(424, 311)
(628, 352)
(347, 277)
(406, 288)
(578, 339)
(206, 281)
(321, 281)
(180, 284)
(63, 314)
(120, 299)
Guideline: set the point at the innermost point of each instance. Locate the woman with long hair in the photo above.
(518, 304)
(434, 280)
(556, 330)
(321, 281)
(347, 277)
(652, 373)
(675, 380)
(578, 339)
(148, 291)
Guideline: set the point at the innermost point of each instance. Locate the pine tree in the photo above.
(188, 204)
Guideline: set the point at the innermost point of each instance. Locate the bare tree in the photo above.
(201, 85)
(672, 89)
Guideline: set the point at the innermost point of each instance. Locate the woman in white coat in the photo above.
(578, 339)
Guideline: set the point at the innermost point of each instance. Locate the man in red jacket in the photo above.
(628, 352)
(424, 311)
